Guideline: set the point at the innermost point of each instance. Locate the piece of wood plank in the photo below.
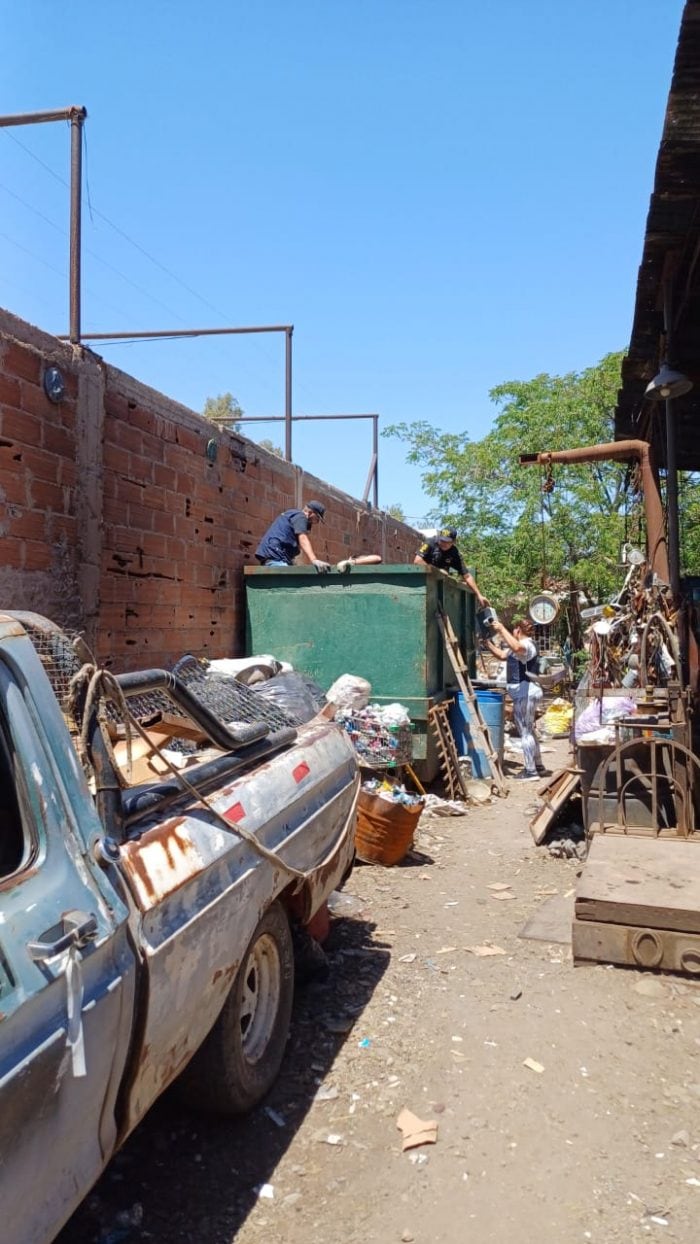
(171, 726)
(650, 882)
(665, 950)
(477, 723)
(555, 794)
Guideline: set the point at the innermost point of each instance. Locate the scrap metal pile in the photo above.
(633, 639)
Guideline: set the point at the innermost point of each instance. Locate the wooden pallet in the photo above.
(477, 725)
(450, 767)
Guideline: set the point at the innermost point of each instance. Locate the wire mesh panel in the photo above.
(378, 746)
(228, 700)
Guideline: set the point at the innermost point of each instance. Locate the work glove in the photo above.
(345, 565)
(322, 567)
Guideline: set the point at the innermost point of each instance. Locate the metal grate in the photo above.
(227, 699)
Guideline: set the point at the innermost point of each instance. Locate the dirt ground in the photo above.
(600, 1141)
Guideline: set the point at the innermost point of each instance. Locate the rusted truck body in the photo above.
(144, 932)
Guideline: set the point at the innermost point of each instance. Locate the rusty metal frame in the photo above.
(373, 472)
(288, 418)
(76, 115)
(682, 793)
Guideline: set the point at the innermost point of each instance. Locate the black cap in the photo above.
(447, 533)
(317, 508)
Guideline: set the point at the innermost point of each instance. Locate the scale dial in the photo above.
(543, 609)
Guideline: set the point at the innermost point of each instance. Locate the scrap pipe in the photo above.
(620, 451)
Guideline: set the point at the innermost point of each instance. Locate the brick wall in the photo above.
(115, 521)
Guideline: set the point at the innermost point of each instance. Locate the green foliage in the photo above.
(689, 508)
(518, 537)
(396, 511)
(270, 446)
(224, 411)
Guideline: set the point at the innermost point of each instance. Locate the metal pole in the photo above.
(77, 117)
(167, 333)
(672, 501)
(375, 451)
(288, 394)
(37, 118)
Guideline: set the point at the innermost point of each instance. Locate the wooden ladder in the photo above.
(451, 770)
(477, 725)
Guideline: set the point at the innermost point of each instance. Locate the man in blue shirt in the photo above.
(288, 535)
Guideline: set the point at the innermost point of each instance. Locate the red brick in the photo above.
(175, 456)
(164, 522)
(13, 480)
(39, 463)
(20, 427)
(145, 420)
(177, 550)
(26, 524)
(153, 545)
(140, 469)
(48, 496)
(183, 527)
(126, 436)
(153, 448)
(112, 511)
(17, 360)
(58, 440)
(64, 527)
(36, 556)
(193, 442)
(116, 458)
(127, 491)
(140, 517)
(36, 402)
(164, 476)
(9, 391)
(185, 484)
(12, 555)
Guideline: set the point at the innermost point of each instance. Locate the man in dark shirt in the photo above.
(442, 552)
(288, 535)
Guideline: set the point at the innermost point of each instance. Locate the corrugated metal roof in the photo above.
(671, 254)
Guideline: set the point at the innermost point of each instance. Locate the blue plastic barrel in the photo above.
(492, 706)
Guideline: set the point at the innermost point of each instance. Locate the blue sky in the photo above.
(440, 196)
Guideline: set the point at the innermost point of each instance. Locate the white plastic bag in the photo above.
(349, 692)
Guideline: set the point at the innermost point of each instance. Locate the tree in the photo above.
(396, 511)
(271, 448)
(224, 411)
(516, 535)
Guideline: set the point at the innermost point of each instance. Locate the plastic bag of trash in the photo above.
(349, 692)
(296, 694)
(249, 670)
(556, 720)
(603, 712)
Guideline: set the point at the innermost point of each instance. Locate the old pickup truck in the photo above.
(144, 926)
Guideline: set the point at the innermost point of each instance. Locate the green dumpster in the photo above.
(377, 621)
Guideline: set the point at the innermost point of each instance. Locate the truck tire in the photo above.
(239, 1061)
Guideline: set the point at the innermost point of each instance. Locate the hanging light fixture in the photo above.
(668, 383)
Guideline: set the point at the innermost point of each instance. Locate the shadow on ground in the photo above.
(183, 1178)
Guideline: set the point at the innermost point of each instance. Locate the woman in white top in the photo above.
(520, 655)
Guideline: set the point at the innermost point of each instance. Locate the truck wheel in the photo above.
(239, 1061)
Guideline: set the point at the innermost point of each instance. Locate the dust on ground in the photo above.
(598, 1141)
